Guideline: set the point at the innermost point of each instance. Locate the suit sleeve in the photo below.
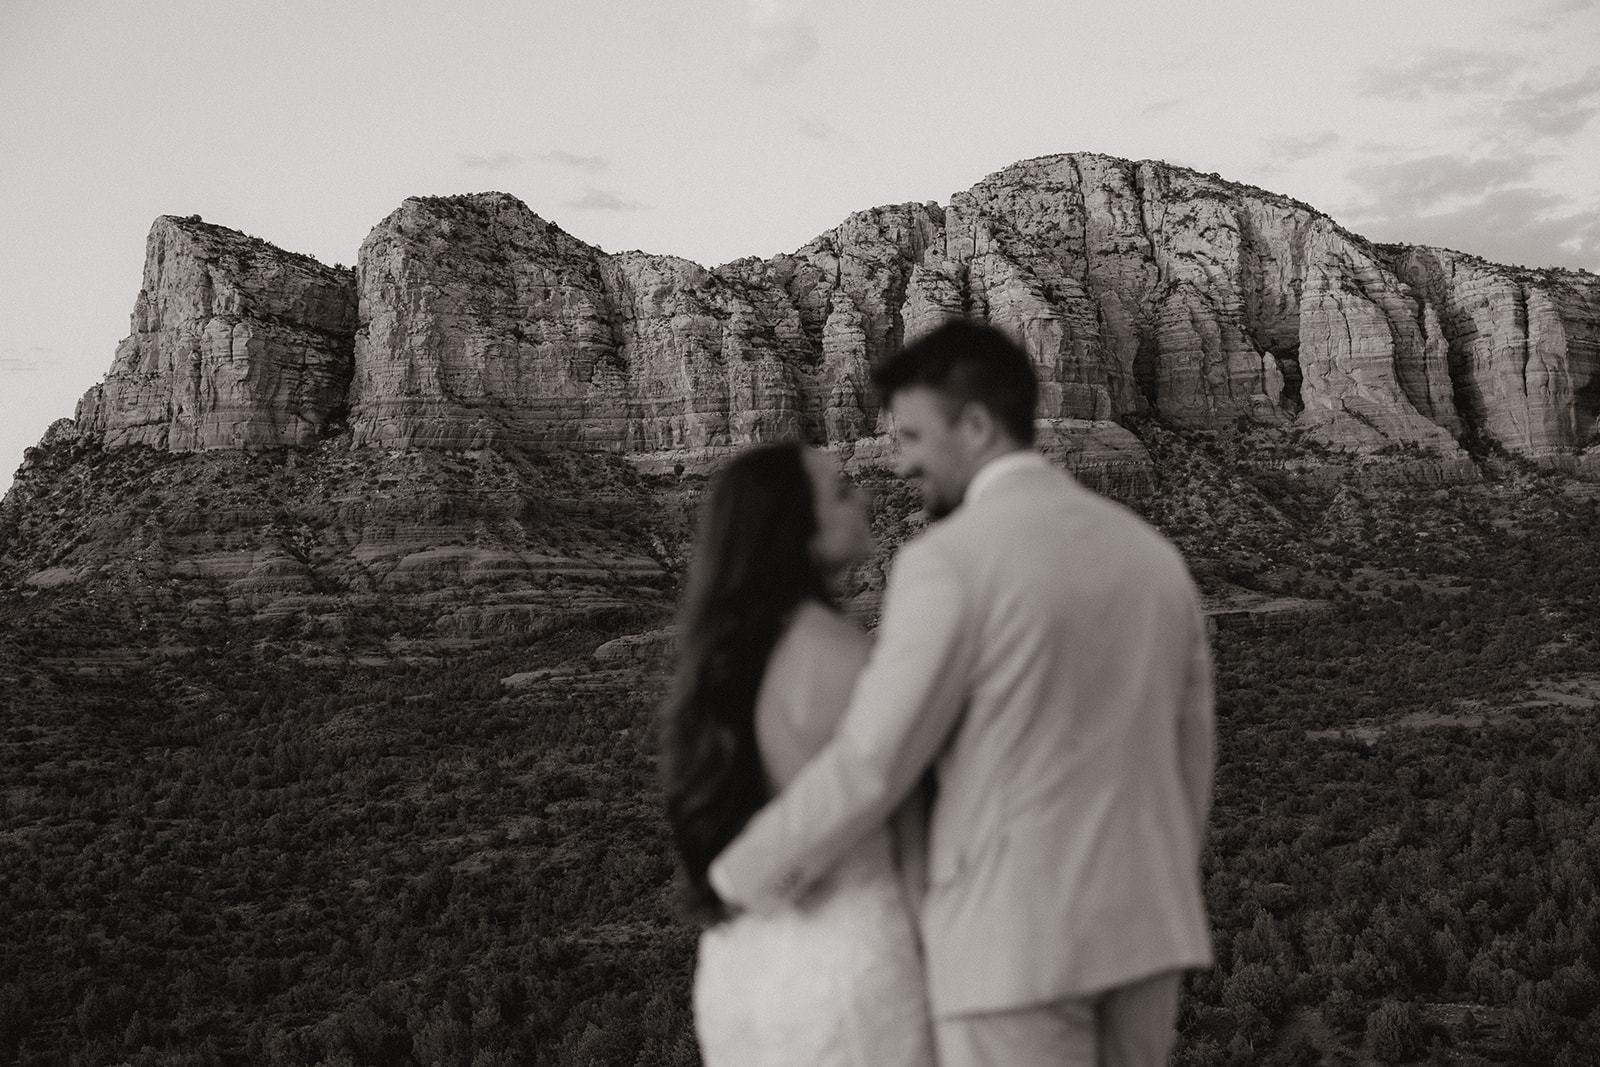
(904, 707)
(1197, 730)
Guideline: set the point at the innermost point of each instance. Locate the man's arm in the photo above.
(903, 709)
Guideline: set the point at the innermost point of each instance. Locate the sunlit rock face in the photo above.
(1138, 289)
(480, 321)
(1523, 346)
(235, 344)
(1141, 288)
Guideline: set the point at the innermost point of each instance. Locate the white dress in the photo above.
(834, 980)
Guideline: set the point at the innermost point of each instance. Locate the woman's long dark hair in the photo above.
(751, 568)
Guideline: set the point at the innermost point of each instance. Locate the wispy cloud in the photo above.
(603, 200)
(1554, 111)
(590, 164)
(1526, 226)
(1430, 183)
(504, 159)
(1285, 150)
(1445, 71)
(1559, 13)
(499, 160)
(815, 130)
(1497, 96)
(779, 42)
(29, 360)
(1514, 113)
(1486, 206)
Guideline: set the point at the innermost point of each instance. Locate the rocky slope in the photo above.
(325, 541)
(1141, 290)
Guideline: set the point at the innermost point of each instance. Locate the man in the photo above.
(1043, 650)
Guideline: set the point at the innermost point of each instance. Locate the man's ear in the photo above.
(976, 424)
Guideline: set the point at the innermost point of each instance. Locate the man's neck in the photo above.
(996, 465)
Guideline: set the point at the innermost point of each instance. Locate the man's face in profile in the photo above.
(933, 451)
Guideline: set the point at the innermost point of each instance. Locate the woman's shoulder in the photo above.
(818, 644)
(817, 627)
(807, 686)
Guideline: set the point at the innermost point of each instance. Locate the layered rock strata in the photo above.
(1523, 346)
(1142, 288)
(1139, 289)
(235, 344)
(481, 321)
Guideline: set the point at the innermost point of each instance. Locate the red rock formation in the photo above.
(235, 344)
(1138, 288)
(1524, 346)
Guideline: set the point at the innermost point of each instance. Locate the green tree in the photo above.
(1394, 1031)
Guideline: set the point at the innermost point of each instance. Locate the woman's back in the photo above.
(806, 686)
(835, 979)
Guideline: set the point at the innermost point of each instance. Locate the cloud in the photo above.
(1525, 226)
(505, 160)
(1285, 150)
(500, 160)
(32, 360)
(602, 200)
(1487, 207)
(815, 130)
(778, 40)
(1501, 97)
(1448, 71)
(591, 164)
(1554, 14)
(1556, 111)
(1426, 184)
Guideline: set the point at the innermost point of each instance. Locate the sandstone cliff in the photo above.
(235, 344)
(1523, 346)
(481, 321)
(1140, 289)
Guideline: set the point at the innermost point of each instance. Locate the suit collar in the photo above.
(1000, 468)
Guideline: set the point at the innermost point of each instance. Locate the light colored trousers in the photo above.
(1129, 1026)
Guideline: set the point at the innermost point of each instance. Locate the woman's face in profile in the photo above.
(843, 535)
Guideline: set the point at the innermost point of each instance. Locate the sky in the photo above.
(717, 129)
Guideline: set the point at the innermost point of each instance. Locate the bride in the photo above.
(765, 669)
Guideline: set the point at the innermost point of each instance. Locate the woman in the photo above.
(765, 670)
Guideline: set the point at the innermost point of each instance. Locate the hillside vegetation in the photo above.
(409, 815)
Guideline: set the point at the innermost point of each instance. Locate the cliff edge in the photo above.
(1142, 290)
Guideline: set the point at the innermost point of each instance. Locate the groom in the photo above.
(1043, 650)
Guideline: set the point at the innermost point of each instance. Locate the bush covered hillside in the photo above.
(389, 813)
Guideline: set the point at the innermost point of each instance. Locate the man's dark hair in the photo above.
(968, 362)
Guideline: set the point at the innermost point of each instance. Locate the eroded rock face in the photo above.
(1523, 346)
(1143, 288)
(235, 344)
(478, 320)
(1139, 289)
(482, 322)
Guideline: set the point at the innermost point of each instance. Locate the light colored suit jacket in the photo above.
(1043, 648)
